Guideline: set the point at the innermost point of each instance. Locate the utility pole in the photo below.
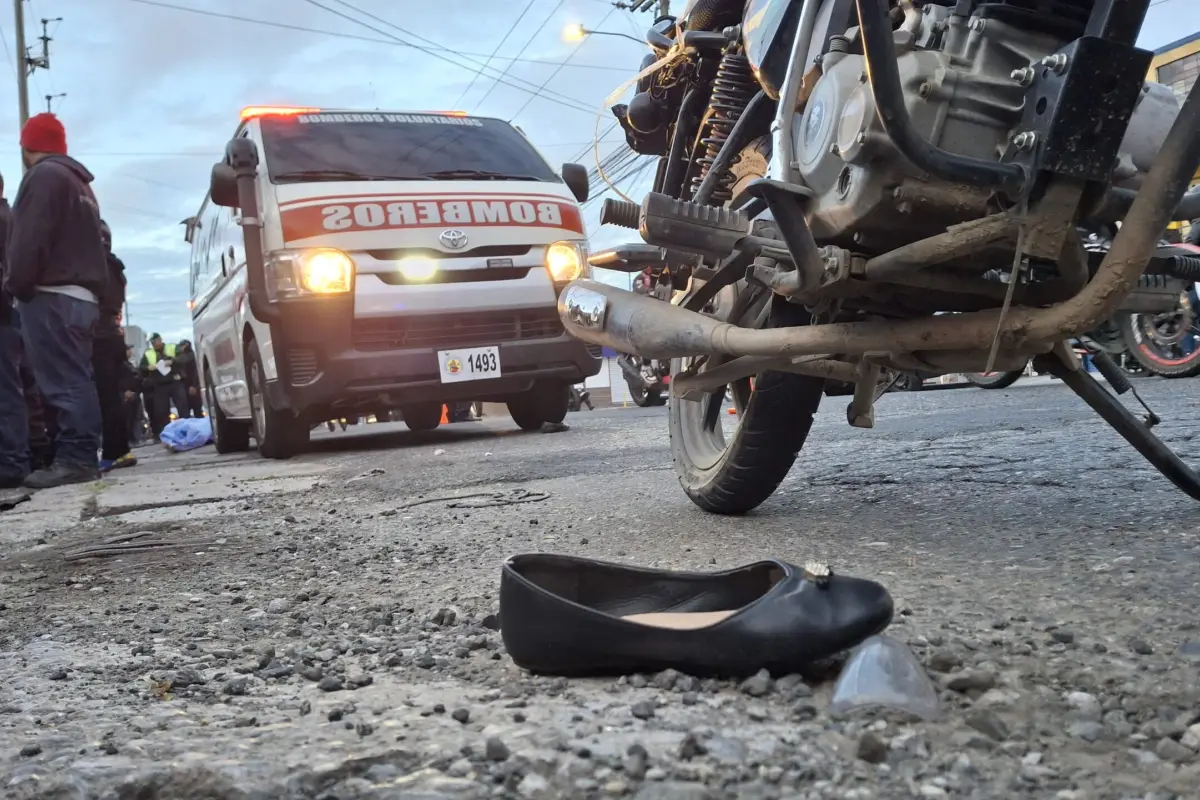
(27, 64)
(22, 62)
(664, 6)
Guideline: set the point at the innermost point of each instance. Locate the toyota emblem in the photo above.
(454, 239)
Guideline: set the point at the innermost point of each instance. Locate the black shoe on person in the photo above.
(61, 475)
(562, 615)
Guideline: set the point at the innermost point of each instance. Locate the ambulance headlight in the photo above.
(325, 271)
(416, 269)
(565, 261)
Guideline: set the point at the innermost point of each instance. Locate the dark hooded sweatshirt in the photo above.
(113, 299)
(6, 300)
(54, 237)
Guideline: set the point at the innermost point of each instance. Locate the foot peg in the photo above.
(680, 225)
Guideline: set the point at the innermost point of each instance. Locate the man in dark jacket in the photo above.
(185, 364)
(108, 354)
(55, 268)
(131, 389)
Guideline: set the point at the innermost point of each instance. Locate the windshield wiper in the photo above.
(342, 174)
(478, 175)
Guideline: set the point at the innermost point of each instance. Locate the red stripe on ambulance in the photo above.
(316, 220)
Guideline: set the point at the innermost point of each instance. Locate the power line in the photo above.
(508, 33)
(339, 35)
(559, 68)
(566, 102)
(564, 99)
(521, 52)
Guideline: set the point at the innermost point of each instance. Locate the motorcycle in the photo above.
(839, 184)
(1163, 342)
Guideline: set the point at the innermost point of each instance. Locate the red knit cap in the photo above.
(43, 133)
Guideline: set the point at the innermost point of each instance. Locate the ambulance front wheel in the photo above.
(545, 402)
(280, 434)
(422, 416)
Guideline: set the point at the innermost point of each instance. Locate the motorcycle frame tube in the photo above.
(783, 153)
(606, 315)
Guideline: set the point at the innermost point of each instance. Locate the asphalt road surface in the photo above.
(205, 627)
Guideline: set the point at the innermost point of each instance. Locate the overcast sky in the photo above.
(153, 93)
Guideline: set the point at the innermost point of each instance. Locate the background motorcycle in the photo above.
(840, 181)
(1160, 342)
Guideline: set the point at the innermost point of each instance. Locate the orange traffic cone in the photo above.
(445, 415)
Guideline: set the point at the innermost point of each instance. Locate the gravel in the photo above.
(330, 649)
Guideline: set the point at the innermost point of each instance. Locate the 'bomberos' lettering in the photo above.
(422, 213)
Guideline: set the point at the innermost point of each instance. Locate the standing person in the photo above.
(14, 426)
(56, 270)
(185, 363)
(166, 383)
(108, 353)
(131, 390)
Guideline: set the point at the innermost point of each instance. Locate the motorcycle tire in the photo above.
(1151, 356)
(993, 380)
(775, 420)
(645, 398)
(776, 408)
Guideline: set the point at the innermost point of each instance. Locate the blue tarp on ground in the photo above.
(186, 434)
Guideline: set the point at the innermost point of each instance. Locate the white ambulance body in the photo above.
(352, 262)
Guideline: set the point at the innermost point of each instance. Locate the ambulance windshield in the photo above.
(379, 147)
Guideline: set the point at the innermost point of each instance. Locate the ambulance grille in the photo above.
(468, 330)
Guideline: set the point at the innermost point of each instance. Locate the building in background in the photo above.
(135, 337)
(1177, 65)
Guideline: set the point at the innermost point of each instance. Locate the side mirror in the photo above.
(222, 186)
(575, 176)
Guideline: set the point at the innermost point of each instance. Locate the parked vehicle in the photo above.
(847, 189)
(346, 261)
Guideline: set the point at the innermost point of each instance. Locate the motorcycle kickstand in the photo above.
(1124, 422)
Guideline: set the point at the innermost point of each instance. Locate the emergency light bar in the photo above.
(251, 112)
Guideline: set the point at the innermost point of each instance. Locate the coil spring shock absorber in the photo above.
(733, 89)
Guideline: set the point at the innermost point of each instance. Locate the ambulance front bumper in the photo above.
(329, 360)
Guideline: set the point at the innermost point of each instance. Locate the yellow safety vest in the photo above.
(152, 355)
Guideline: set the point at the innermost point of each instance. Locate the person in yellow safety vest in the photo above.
(165, 384)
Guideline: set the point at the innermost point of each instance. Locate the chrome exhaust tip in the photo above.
(631, 323)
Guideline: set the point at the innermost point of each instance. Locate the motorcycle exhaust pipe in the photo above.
(632, 323)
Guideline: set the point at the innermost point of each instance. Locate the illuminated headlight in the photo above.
(417, 269)
(565, 261)
(321, 271)
(325, 271)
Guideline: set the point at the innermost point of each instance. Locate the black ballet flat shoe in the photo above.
(561, 615)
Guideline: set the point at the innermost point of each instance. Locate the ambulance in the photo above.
(349, 262)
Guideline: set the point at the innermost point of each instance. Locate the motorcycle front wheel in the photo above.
(733, 471)
(1161, 342)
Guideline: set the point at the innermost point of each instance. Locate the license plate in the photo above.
(471, 364)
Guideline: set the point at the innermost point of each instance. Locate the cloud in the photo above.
(153, 95)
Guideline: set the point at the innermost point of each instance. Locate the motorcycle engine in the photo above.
(957, 79)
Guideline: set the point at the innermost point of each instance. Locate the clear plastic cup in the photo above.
(883, 673)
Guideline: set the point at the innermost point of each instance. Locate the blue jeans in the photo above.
(14, 425)
(58, 332)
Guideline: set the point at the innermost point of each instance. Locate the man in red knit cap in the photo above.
(56, 269)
